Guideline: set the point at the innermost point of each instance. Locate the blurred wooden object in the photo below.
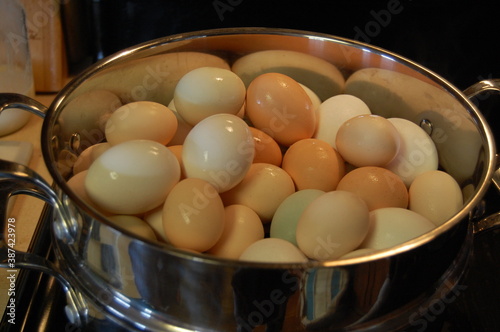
(47, 47)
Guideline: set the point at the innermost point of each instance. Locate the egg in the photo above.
(154, 218)
(141, 120)
(132, 177)
(332, 225)
(177, 151)
(219, 150)
(313, 164)
(193, 215)
(333, 112)
(87, 157)
(262, 189)
(417, 152)
(377, 186)
(266, 148)
(435, 195)
(77, 184)
(392, 226)
(279, 106)
(206, 91)
(134, 225)
(242, 227)
(316, 101)
(286, 217)
(270, 250)
(367, 140)
(183, 128)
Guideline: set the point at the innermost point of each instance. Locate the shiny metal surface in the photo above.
(143, 285)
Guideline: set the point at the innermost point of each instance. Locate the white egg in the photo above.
(417, 152)
(271, 250)
(435, 195)
(206, 91)
(333, 112)
(332, 225)
(132, 177)
(183, 128)
(392, 226)
(219, 150)
(141, 120)
(154, 218)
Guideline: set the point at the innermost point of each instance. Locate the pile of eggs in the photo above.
(266, 173)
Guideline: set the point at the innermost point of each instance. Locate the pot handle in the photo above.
(18, 179)
(15, 100)
(480, 88)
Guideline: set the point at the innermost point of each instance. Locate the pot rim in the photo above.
(462, 216)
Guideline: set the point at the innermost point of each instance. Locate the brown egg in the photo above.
(279, 106)
(266, 148)
(313, 164)
(377, 186)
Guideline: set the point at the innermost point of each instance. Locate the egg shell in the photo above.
(417, 152)
(313, 164)
(87, 157)
(132, 177)
(134, 225)
(177, 151)
(77, 184)
(333, 112)
(263, 189)
(279, 106)
(206, 91)
(435, 195)
(316, 101)
(393, 226)
(141, 120)
(367, 140)
(332, 225)
(242, 227)
(220, 150)
(377, 186)
(286, 217)
(193, 215)
(267, 149)
(271, 250)
(154, 218)
(183, 128)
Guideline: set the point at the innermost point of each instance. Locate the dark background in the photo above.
(456, 39)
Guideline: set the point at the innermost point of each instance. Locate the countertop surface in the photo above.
(26, 210)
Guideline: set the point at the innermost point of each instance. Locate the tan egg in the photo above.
(273, 250)
(332, 225)
(134, 225)
(242, 227)
(141, 120)
(177, 151)
(367, 140)
(266, 148)
(183, 128)
(262, 189)
(279, 106)
(436, 195)
(87, 157)
(313, 164)
(193, 215)
(377, 186)
(154, 218)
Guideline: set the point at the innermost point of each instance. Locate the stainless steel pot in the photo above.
(111, 276)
